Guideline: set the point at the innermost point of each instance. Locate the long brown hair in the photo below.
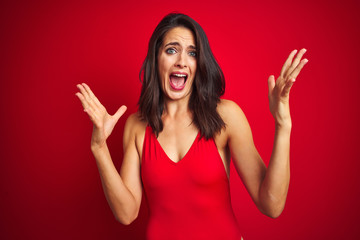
(208, 85)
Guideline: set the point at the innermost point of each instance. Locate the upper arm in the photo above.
(246, 159)
(130, 168)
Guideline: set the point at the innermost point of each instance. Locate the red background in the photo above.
(50, 186)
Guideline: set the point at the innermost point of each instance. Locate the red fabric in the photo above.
(189, 199)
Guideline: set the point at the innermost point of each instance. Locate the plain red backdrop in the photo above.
(50, 186)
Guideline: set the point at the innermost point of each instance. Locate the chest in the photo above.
(176, 141)
(200, 168)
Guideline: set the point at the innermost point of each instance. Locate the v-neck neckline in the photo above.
(186, 154)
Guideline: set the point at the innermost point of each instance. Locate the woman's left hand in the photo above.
(279, 90)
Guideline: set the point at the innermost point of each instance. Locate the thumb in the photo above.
(120, 112)
(271, 83)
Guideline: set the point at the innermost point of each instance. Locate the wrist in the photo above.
(283, 122)
(98, 146)
(283, 127)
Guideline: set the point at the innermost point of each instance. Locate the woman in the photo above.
(179, 144)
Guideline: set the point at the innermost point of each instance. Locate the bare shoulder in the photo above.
(134, 122)
(230, 112)
(134, 131)
(237, 126)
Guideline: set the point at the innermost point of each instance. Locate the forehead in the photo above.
(181, 35)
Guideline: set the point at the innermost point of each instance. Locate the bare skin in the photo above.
(268, 186)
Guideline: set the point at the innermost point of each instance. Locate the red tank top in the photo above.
(189, 199)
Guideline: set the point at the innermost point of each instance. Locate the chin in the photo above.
(177, 95)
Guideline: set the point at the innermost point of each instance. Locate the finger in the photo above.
(296, 61)
(288, 86)
(89, 101)
(271, 83)
(86, 105)
(83, 91)
(92, 115)
(83, 101)
(297, 70)
(91, 94)
(287, 63)
(120, 112)
(88, 90)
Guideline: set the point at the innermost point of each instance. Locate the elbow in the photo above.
(123, 221)
(126, 219)
(272, 211)
(272, 208)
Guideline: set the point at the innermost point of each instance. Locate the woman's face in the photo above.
(177, 63)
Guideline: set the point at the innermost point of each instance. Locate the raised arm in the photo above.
(268, 187)
(122, 193)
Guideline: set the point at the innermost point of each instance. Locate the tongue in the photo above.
(177, 83)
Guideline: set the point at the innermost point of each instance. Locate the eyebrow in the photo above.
(178, 44)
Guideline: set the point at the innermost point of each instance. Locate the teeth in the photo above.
(179, 75)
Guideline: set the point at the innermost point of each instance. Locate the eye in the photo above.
(170, 51)
(192, 54)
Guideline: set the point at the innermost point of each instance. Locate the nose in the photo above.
(181, 60)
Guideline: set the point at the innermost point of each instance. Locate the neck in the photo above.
(176, 108)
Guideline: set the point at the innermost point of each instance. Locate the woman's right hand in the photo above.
(103, 122)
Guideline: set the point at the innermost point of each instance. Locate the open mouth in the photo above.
(178, 80)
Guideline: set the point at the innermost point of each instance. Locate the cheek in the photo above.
(193, 69)
(162, 74)
(193, 64)
(162, 69)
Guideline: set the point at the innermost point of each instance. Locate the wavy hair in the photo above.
(208, 85)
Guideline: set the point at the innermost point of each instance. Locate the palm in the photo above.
(104, 123)
(279, 91)
(109, 124)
